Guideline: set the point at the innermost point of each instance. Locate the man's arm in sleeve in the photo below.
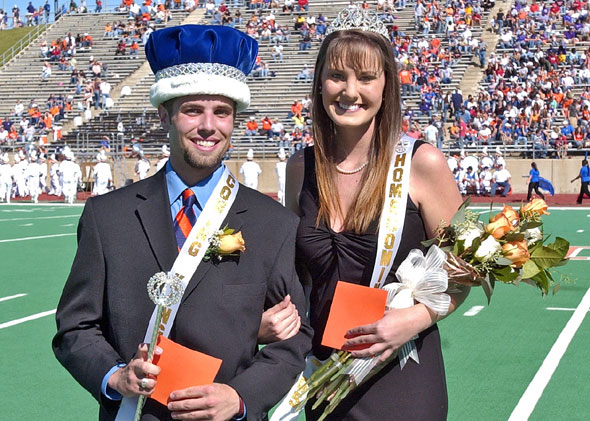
(276, 366)
(79, 343)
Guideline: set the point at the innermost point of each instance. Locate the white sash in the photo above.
(189, 258)
(391, 226)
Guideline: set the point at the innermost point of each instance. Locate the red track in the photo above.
(557, 200)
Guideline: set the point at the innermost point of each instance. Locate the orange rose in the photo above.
(537, 206)
(517, 252)
(499, 226)
(231, 243)
(511, 215)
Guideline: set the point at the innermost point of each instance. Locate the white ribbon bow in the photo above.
(421, 278)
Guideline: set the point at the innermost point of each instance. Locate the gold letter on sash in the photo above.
(395, 190)
(386, 256)
(400, 159)
(225, 192)
(389, 240)
(194, 248)
(166, 314)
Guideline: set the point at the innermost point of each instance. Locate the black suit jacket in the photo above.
(125, 237)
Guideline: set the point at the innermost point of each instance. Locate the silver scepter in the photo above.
(164, 290)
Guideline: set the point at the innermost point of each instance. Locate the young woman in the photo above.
(338, 189)
(534, 182)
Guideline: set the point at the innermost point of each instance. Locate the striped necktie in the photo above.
(186, 218)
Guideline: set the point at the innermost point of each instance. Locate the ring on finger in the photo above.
(143, 384)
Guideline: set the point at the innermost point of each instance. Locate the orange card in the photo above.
(352, 306)
(181, 368)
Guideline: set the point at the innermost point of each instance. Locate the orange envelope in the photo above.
(353, 305)
(181, 368)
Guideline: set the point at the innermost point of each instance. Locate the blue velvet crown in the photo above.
(201, 59)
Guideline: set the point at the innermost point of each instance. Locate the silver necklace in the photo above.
(349, 172)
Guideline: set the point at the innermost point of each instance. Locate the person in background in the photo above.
(584, 177)
(534, 182)
(250, 170)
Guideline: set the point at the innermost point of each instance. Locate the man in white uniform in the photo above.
(142, 166)
(500, 162)
(55, 186)
(486, 160)
(43, 172)
(5, 178)
(250, 170)
(164, 159)
(70, 175)
(501, 179)
(281, 168)
(485, 178)
(32, 176)
(103, 177)
(18, 174)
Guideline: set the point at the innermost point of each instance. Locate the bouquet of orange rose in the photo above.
(510, 248)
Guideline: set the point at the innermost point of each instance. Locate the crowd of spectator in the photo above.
(32, 15)
(528, 97)
(291, 133)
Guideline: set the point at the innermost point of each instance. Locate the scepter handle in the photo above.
(141, 400)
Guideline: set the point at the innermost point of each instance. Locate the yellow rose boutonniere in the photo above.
(225, 243)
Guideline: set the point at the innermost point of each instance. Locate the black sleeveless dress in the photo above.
(418, 392)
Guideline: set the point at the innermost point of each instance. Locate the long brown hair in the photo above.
(356, 49)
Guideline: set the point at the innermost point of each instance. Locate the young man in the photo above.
(105, 309)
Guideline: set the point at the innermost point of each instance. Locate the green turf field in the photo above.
(491, 356)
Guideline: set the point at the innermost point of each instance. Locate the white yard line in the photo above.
(473, 311)
(38, 217)
(560, 309)
(40, 204)
(28, 318)
(11, 240)
(533, 393)
(11, 297)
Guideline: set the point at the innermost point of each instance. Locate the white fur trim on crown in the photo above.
(200, 84)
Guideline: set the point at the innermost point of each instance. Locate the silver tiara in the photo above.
(202, 68)
(353, 17)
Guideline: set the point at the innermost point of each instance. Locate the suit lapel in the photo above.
(154, 214)
(232, 220)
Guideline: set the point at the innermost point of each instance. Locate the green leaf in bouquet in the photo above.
(502, 261)
(488, 286)
(542, 281)
(531, 224)
(550, 255)
(560, 244)
(457, 248)
(459, 216)
(475, 244)
(505, 274)
(530, 269)
(514, 236)
(428, 243)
